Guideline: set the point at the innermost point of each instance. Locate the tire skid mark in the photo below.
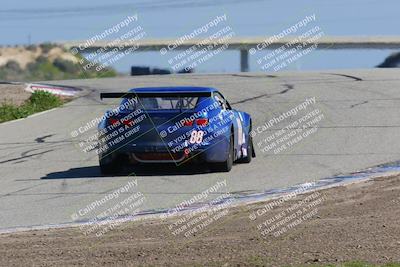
(357, 79)
(25, 155)
(288, 88)
(358, 104)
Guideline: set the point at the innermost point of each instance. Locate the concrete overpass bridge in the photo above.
(244, 44)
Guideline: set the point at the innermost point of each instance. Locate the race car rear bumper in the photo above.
(213, 152)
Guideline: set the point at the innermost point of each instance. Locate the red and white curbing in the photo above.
(57, 90)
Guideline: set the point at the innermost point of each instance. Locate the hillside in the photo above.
(44, 62)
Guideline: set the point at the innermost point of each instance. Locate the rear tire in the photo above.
(107, 168)
(250, 151)
(225, 166)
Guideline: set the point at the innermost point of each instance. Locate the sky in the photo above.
(24, 22)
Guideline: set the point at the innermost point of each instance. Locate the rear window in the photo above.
(164, 103)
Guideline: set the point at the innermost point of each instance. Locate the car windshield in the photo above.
(163, 103)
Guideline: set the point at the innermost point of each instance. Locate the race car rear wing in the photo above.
(154, 94)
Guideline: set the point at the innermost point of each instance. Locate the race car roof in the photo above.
(179, 91)
(173, 89)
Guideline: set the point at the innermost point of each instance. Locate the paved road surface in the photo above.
(46, 177)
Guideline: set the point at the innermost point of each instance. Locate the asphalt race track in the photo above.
(45, 177)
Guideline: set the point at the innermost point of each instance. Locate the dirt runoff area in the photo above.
(357, 222)
(13, 94)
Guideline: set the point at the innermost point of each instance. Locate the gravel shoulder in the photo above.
(13, 94)
(356, 222)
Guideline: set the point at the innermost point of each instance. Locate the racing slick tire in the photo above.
(107, 168)
(225, 166)
(250, 152)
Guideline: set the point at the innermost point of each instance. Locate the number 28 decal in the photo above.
(196, 137)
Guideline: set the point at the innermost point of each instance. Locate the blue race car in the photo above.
(174, 125)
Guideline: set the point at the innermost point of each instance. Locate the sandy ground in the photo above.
(355, 222)
(14, 94)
